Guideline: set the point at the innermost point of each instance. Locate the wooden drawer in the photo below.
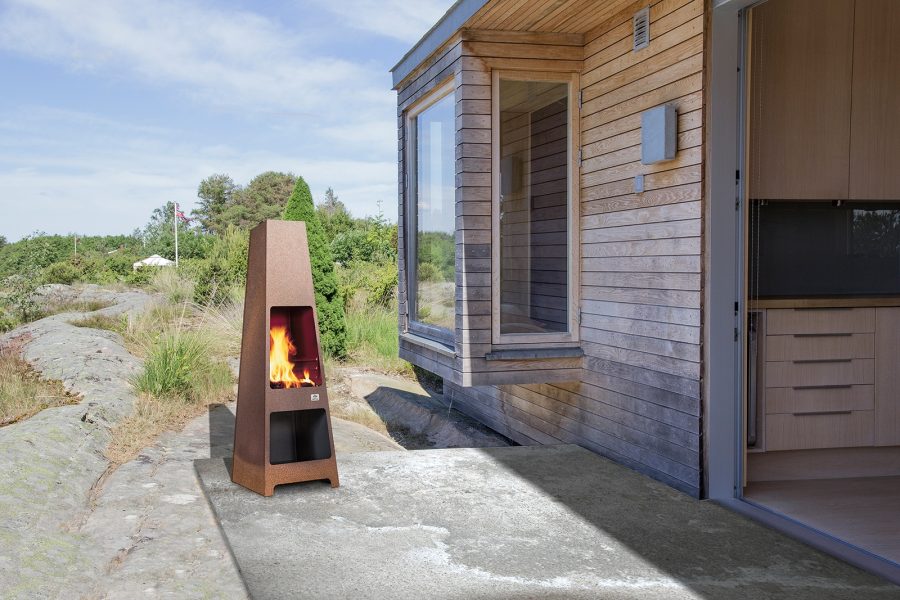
(820, 346)
(818, 373)
(836, 430)
(820, 399)
(812, 321)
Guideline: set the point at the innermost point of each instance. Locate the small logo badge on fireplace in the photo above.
(314, 397)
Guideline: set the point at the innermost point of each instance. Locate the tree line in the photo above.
(213, 246)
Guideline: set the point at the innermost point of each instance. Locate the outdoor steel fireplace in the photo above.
(283, 427)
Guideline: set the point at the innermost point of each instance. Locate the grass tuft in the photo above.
(182, 374)
(180, 365)
(22, 392)
(117, 323)
(79, 306)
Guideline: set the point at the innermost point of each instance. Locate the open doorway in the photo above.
(821, 246)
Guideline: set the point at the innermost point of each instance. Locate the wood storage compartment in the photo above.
(283, 425)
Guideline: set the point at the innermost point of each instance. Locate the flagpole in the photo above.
(175, 223)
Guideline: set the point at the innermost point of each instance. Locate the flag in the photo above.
(180, 214)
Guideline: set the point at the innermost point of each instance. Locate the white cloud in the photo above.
(63, 170)
(108, 182)
(399, 19)
(233, 59)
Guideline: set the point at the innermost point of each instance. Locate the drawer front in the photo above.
(819, 320)
(811, 374)
(821, 399)
(801, 432)
(820, 346)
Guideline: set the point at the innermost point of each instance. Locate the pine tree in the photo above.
(329, 305)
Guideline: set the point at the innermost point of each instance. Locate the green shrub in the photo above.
(224, 268)
(352, 245)
(384, 286)
(429, 272)
(7, 322)
(329, 303)
(139, 277)
(21, 295)
(62, 272)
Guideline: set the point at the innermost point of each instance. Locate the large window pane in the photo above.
(433, 191)
(534, 207)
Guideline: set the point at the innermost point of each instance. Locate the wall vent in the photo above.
(641, 21)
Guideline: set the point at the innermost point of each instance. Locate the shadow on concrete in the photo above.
(713, 551)
(221, 433)
(420, 421)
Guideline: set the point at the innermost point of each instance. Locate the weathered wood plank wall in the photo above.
(638, 400)
(471, 74)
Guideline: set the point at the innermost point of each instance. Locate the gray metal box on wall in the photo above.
(659, 134)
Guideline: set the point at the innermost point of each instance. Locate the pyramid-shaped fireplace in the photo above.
(283, 426)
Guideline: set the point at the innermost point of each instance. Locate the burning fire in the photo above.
(281, 367)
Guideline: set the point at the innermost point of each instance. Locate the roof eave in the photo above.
(449, 24)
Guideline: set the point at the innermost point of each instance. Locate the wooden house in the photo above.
(668, 231)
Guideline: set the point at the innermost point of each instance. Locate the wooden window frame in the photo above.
(413, 326)
(574, 226)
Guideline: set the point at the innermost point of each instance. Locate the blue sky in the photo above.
(109, 108)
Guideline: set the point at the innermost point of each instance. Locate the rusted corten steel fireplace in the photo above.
(283, 427)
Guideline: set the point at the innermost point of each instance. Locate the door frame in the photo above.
(725, 307)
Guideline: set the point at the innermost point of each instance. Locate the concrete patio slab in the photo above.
(517, 522)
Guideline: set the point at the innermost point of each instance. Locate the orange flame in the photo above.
(281, 367)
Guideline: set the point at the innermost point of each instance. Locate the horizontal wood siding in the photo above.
(637, 400)
(473, 209)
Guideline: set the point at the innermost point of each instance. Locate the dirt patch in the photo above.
(22, 391)
(414, 416)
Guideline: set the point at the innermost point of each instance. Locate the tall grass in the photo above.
(182, 374)
(170, 283)
(180, 365)
(143, 329)
(22, 391)
(223, 324)
(372, 338)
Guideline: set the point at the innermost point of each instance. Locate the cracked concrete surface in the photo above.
(513, 522)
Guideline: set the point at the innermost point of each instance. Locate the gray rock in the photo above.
(66, 529)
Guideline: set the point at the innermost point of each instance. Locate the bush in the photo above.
(22, 297)
(139, 277)
(329, 303)
(62, 272)
(224, 268)
(350, 245)
(384, 286)
(429, 272)
(7, 322)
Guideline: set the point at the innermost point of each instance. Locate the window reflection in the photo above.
(801, 249)
(433, 189)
